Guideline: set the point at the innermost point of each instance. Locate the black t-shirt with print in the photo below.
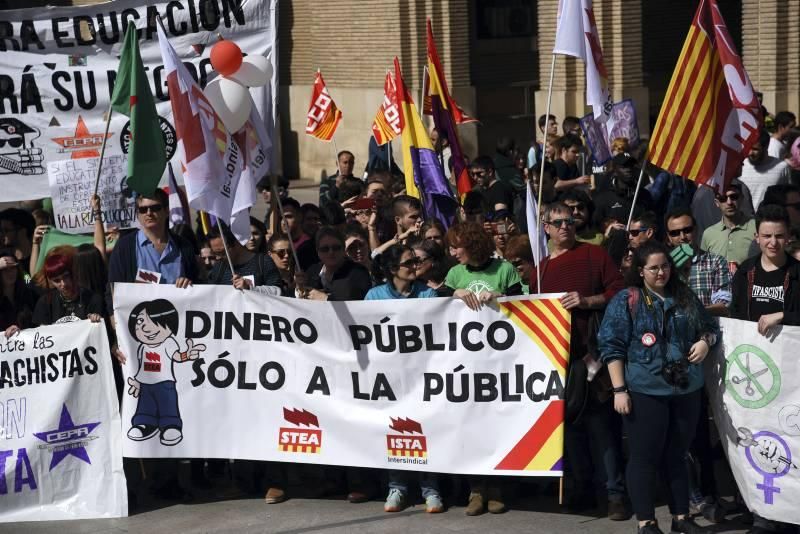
(766, 295)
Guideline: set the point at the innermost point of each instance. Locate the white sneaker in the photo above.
(171, 436)
(142, 432)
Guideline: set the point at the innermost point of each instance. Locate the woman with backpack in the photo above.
(654, 336)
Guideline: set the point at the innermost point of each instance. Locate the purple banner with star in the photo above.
(60, 440)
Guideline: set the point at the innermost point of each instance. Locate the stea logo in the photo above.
(410, 445)
(152, 362)
(300, 439)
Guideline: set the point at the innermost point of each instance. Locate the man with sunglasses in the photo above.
(642, 229)
(582, 209)
(732, 237)
(498, 193)
(589, 278)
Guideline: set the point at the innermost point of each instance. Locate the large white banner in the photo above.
(60, 435)
(425, 384)
(756, 399)
(58, 66)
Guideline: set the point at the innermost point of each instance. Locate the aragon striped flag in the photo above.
(386, 125)
(710, 116)
(323, 115)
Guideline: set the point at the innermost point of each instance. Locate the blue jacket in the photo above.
(387, 291)
(649, 336)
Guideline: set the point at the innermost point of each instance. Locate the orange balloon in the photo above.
(226, 57)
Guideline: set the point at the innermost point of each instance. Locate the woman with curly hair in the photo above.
(478, 277)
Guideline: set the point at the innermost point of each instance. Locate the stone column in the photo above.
(771, 51)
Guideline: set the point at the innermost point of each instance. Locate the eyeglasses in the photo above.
(410, 264)
(678, 231)
(280, 252)
(733, 197)
(655, 269)
(634, 232)
(14, 142)
(558, 223)
(329, 248)
(152, 208)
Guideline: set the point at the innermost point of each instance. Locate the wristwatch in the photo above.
(621, 389)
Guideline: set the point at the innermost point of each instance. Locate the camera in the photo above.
(676, 372)
(499, 228)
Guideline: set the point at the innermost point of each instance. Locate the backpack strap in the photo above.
(634, 294)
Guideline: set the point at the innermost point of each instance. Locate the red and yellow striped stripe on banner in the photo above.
(542, 447)
(547, 323)
(685, 136)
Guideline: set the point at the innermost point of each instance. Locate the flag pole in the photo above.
(103, 150)
(280, 211)
(225, 246)
(541, 170)
(636, 195)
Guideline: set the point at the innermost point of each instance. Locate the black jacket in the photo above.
(351, 281)
(741, 291)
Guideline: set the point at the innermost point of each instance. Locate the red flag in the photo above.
(710, 116)
(387, 124)
(323, 115)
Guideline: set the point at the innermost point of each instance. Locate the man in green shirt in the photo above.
(732, 237)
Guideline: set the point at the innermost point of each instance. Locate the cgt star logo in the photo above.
(68, 439)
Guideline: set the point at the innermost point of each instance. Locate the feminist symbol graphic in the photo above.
(770, 456)
(753, 379)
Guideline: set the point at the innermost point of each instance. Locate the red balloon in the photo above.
(226, 57)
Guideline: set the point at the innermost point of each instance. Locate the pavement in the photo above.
(222, 508)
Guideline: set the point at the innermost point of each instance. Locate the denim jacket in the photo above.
(655, 332)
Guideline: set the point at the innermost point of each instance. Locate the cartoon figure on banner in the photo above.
(769, 455)
(17, 153)
(154, 325)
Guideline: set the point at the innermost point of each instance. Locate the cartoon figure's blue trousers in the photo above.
(158, 406)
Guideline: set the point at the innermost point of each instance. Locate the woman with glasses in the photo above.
(654, 336)
(399, 266)
(278, 248)
(335, 277)
(433, 266)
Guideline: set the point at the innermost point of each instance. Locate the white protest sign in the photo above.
(59, 65)
(72, 184)
(423, 384)
(753, 387)
(60, 450)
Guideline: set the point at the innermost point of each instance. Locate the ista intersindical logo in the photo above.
(298, 438)
(409, 446)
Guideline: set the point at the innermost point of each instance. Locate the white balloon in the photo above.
(255, 71)
(231, 100)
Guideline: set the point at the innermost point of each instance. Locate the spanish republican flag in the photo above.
(446, 114)
(710, 116)
(424, 175)
(386, 125)
(323, 115)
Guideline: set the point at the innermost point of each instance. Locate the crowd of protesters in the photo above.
(643, 297)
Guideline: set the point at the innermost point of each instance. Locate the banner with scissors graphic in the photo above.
(752, 383)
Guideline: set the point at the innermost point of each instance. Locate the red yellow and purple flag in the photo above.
(710, 116)
(323, 115)
(424, 175)
(446, 115)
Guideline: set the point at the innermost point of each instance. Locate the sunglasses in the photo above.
(14, 142)
(580, 206)
(410, 264)
(678, 231)
(152, 208)
(636, 231)
(329, 248)
(558, 223)
(733, 197)
(281, 252)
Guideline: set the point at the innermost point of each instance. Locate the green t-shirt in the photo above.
(498, 276)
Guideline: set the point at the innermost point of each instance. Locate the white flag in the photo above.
(536, 233)
(576, 35)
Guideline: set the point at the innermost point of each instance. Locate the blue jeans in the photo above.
(428, 482)
(158, 406)
(592, 445)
